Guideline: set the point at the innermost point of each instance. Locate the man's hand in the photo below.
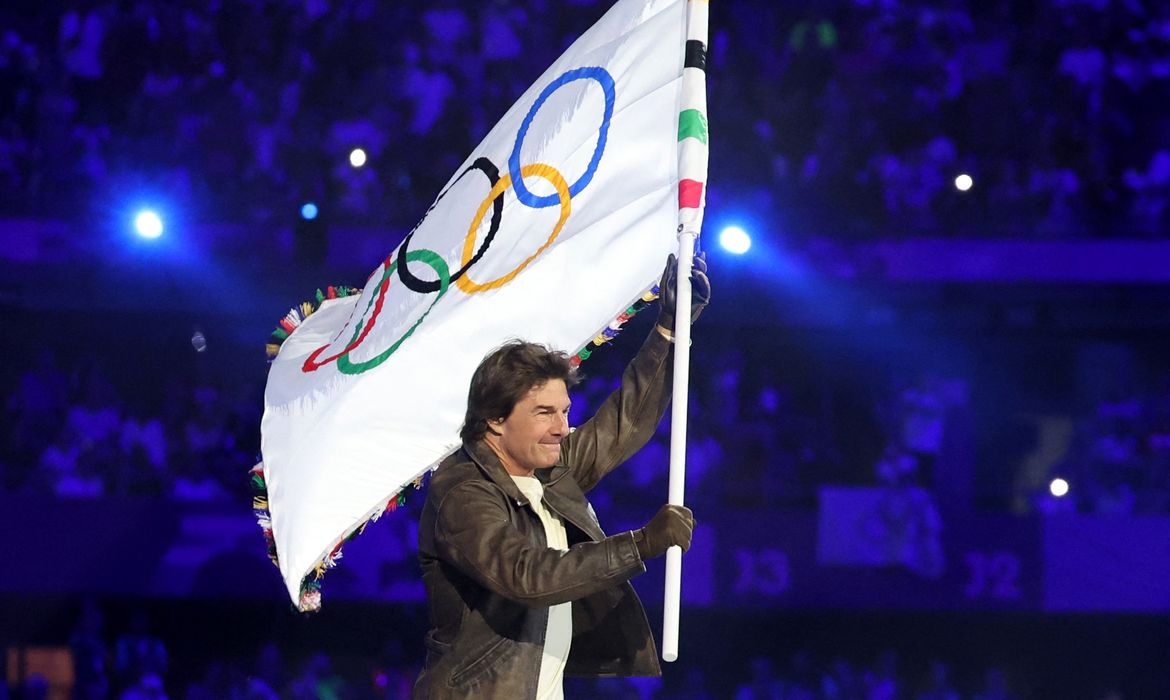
(672, 525)
(668, 291)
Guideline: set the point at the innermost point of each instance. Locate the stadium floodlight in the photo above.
(148, 224)
(735, 240)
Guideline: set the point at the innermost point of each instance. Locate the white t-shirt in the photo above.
(559, 634)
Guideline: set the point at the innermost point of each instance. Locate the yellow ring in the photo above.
(547, 172)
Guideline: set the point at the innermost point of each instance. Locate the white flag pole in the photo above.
(678, 439)
(692, 167)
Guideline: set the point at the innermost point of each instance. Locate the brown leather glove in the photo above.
(667, 290)
(672, 525)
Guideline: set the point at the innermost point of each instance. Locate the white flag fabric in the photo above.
(559, 220)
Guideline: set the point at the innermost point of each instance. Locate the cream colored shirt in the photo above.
(559, 634)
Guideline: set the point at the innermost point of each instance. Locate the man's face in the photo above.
(530, 437)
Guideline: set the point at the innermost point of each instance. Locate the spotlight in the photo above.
(1058, 487)
(309, 211)
(357, 157)
(735, 240)
(963, 182)
(148, 224)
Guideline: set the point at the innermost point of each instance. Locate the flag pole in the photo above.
(678, 439)
(692, 195)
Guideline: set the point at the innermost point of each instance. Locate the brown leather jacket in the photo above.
(490, 576)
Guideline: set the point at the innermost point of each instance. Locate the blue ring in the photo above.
(605, 80)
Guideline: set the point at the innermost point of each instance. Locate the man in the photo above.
(522, 584)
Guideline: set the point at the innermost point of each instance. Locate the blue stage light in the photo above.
(309, 211)
(148, 224)
(735, 240)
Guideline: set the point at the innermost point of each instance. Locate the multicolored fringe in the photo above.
(260, 509)
(297, 315)
(310, 593)
(615, 326)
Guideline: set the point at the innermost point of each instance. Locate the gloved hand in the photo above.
(672, 525)
(667, 290)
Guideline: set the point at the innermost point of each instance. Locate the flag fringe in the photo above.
(614, 327)
(297, 315)
(310, 593)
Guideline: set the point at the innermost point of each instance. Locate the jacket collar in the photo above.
(489, 463)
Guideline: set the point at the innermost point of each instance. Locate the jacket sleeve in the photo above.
(627, 418)
(474, 532)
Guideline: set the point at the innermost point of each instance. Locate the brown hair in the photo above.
(505, 377)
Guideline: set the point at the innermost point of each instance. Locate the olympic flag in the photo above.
(559, 221)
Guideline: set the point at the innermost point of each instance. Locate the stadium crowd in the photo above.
(845, 117)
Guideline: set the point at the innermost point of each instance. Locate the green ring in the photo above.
(436, 263)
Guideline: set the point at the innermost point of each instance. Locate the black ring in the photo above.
(426, 287)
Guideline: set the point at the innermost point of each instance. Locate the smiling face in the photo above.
(530, 437)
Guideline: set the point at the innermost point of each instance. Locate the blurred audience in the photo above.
(849, 116)
(72, 430)
(852, 117)
(266, 674)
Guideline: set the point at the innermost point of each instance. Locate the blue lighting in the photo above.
(735, 240)
(148, 224)
(309, 211)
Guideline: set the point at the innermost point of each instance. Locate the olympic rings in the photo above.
(514, 178)
(605, 80)
(312, 364)
(413, 283)
(547, 172)
(436, 263)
